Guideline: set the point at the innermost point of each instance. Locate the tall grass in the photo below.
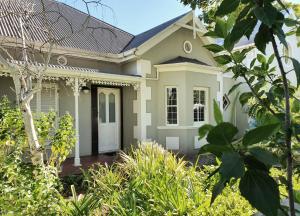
(152, 181)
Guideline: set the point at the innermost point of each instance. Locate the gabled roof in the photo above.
(143, 37)
(181, 59)
(99, 36)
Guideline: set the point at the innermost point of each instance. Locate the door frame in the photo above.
(94, 117)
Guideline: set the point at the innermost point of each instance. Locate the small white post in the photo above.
(77, 145)
(221, 90)
(194, 25)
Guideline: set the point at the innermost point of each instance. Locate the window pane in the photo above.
(48, 102)
(202, 98)
(112, 107)
(171, 106)
(102, 108)
(199, 105)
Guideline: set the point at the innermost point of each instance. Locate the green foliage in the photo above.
(268, 99)
(261, 190)
(26, 189)
(260, 134)
(217, 113)
(63, 140)
(152, 181)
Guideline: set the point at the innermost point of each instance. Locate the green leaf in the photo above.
(217, 113)
(262, 38)
(260, 134)
(263, 156)
(215, 48)
(245, 97)
(234, 87)
(295, 106)
(290, 22)
(261, 191)
(232, 165)
(223, 59)
(252, 63)
(211, 34)
(267, 14)
(221, 28)
(217, 190)
(217, 150)
(203, 130)
(261, 58)
(271, 58)
(296, 65)
(242, 28)
(227, 6)
(222, 134)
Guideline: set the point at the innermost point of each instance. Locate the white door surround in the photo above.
(109, 119)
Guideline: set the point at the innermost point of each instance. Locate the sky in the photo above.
(136, 16)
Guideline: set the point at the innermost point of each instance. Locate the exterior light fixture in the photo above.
(85, 90)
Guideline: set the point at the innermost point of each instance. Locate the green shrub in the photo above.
(152, 181)
(26, 189)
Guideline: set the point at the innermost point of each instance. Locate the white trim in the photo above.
(187, 66)
(148, 93)
(206, 110)
(177, 105)
(178, 127)
(220, 93)
(140, 108)
(148, 119)
(184, 46)
(77, 144)
(163, 34)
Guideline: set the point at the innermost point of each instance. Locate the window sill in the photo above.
(199, 124)
(176, 127)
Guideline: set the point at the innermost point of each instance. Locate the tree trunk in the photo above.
(35, 148)
(288, 129)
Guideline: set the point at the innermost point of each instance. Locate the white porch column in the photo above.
(220, 93)
(140, 104)
(77, 145)
(140, 130)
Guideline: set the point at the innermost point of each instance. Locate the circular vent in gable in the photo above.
(62, 60)
(187, 46)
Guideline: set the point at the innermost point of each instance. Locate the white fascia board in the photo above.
(60, 50)
(188, 67)
(91, 75)
(163, 34)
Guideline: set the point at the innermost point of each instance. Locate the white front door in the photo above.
(109, 119)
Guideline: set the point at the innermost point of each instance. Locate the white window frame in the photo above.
(39, 101)
(206, 109)
(166, 105)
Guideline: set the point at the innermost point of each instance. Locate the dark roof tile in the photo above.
(143, 37)
(181, 59)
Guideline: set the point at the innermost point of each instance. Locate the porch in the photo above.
(87, 162)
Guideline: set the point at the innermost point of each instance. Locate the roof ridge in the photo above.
(97, 19)
(166, 24)
(182, 15)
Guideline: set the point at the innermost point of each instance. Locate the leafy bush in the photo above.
(152, 181)
(26, 189)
